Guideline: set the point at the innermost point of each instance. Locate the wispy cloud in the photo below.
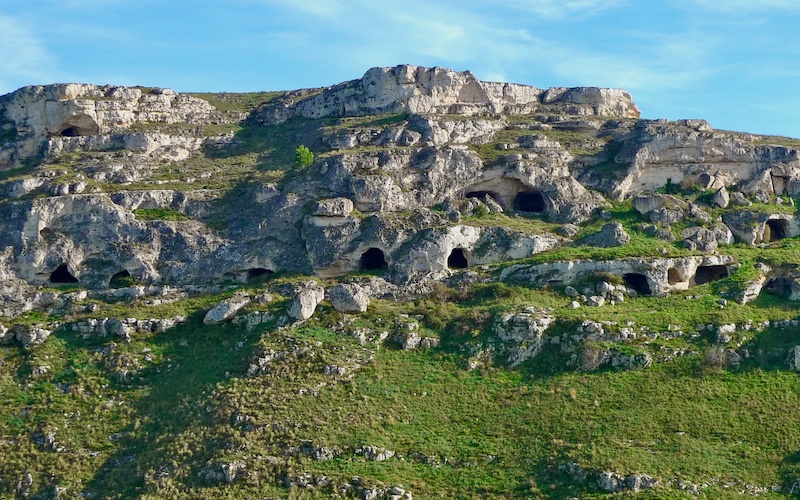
(747, 6)
(25, 59)
(560, 9)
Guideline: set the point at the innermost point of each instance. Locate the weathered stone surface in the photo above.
(30, 335)
(334, 207)
(226, 310)
(706, 239)
(611, 235)
(751, 227)
(647, 203)
(413, 89)
(721, 198)
(75, 111)
(793, 359)
(738, 199)
(655, 271)
(305, 300)
(374, 453)
(522, 334)
(349, 298)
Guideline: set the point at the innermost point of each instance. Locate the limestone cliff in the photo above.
(109, 180)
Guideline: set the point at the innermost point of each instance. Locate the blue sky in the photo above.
(735, 63)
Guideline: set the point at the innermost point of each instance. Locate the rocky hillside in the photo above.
(474, 290)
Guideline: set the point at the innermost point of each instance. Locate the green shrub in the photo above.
(303, 157)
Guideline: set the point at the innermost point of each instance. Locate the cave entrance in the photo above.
(373, 260)
(776, 229)
(673, 276)
(71, 132)
(529, 201)
(62, 275)
(457, 259)
(707, 274)
(258, 274)
(121, 279)
(780, 286)
(638, 282)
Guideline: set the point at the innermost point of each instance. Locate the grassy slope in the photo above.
(489, 433)
(492, 432)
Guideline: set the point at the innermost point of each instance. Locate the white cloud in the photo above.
(25, 60)
(747, 6)
(559, 9)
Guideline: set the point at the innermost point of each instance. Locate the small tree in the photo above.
(303, 156)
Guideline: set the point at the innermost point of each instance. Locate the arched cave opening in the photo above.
(638, 282)
(780, 286)
(529, 201)
(373, 260)
(62, 275)
(71, 132)
(258, 274)
(673, 277)
(707, 274)
(121, 279)
(776, 229)
(457, 259)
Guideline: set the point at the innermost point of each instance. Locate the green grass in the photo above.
(158, 412)
(160, 214)
(778, 140)
(237, 102)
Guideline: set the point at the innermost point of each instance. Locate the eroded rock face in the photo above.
(71, 111)
(418, 90)
(658, 153)
(522, 334)
(349, 298)
(644, 275)
(406, 194)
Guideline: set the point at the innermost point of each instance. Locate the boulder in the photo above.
(667, 216)
(305, 300)
(334, 207)
(226, 309)
(30, 335)
(611, 235)
(6, 335)
(706, 239)
(375, 454)
(348, 298)
(793, 359)
(610, 482)
(595, 301)
(738, 199)
(647, 203)
(522, 334)
(721, 198)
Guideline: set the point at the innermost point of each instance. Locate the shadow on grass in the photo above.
(275, 145)
(197, 357)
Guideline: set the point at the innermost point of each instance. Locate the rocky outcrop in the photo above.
(752, 228)
(658, 153)
(348, 298)
(611, 235)
(305, 300)
(418, 90)
(226, 309)
(73, 110)
(522, 334)
(646, 276)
